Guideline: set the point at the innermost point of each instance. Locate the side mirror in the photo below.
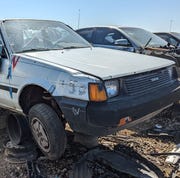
(121, 42)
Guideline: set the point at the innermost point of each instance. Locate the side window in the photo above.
(108, 36)
(100, 34)
(86, 34)
(2, 51)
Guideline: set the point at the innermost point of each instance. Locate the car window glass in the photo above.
(169, 39)
(177, 35)
(2, 50)
(173, 41)
(107, 36)
(39, 35)
(164, 36)
(144, 37)
(86, 34)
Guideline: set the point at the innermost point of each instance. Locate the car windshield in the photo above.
(144, 37)
(177, 35)
(39, 35)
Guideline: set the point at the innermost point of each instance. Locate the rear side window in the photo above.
(86, 34)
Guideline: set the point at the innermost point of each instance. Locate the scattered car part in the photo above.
(154, 132)
(170, 153)
(33, 170)
(52, 75)
(174, 158)
(20, 153)
(104, 163)
(18, 128)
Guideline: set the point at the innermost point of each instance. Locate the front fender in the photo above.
(45, 84)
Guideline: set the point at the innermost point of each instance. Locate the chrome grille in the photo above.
(147, 82)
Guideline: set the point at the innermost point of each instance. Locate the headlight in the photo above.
(112, 88)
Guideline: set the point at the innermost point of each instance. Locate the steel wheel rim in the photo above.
(40, 134)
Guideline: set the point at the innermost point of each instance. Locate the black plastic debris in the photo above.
(20, 153)
(164, 133)
(104, 163)
(33, 170)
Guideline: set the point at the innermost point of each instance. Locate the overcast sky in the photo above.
(153, 15)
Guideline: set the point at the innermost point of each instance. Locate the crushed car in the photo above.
(130, 39)
(52, 76)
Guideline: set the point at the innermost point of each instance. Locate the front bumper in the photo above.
(104, 118)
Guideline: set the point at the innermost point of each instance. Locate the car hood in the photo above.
(99, 62)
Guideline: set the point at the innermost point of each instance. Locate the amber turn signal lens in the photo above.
(97, 93)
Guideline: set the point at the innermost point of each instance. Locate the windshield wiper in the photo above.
(47, 49)
(33, 50)
(148, 42)
(74, 47)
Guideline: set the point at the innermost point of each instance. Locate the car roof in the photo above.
(14, 19)
(165, 32)
(120, 28)
(103, 26)
(169, 33)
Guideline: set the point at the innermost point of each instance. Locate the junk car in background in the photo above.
(130, 39)
(173, 38)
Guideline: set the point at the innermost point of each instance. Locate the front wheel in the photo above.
(47, 130)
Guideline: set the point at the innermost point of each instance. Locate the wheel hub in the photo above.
(40, 134)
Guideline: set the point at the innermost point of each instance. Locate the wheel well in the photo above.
(34, 94)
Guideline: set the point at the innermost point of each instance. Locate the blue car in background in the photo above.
(130, 39)
(123, 38)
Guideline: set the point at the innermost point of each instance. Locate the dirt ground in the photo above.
(145, 138)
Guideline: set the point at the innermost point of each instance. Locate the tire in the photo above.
(47, 130)
(18, 128)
